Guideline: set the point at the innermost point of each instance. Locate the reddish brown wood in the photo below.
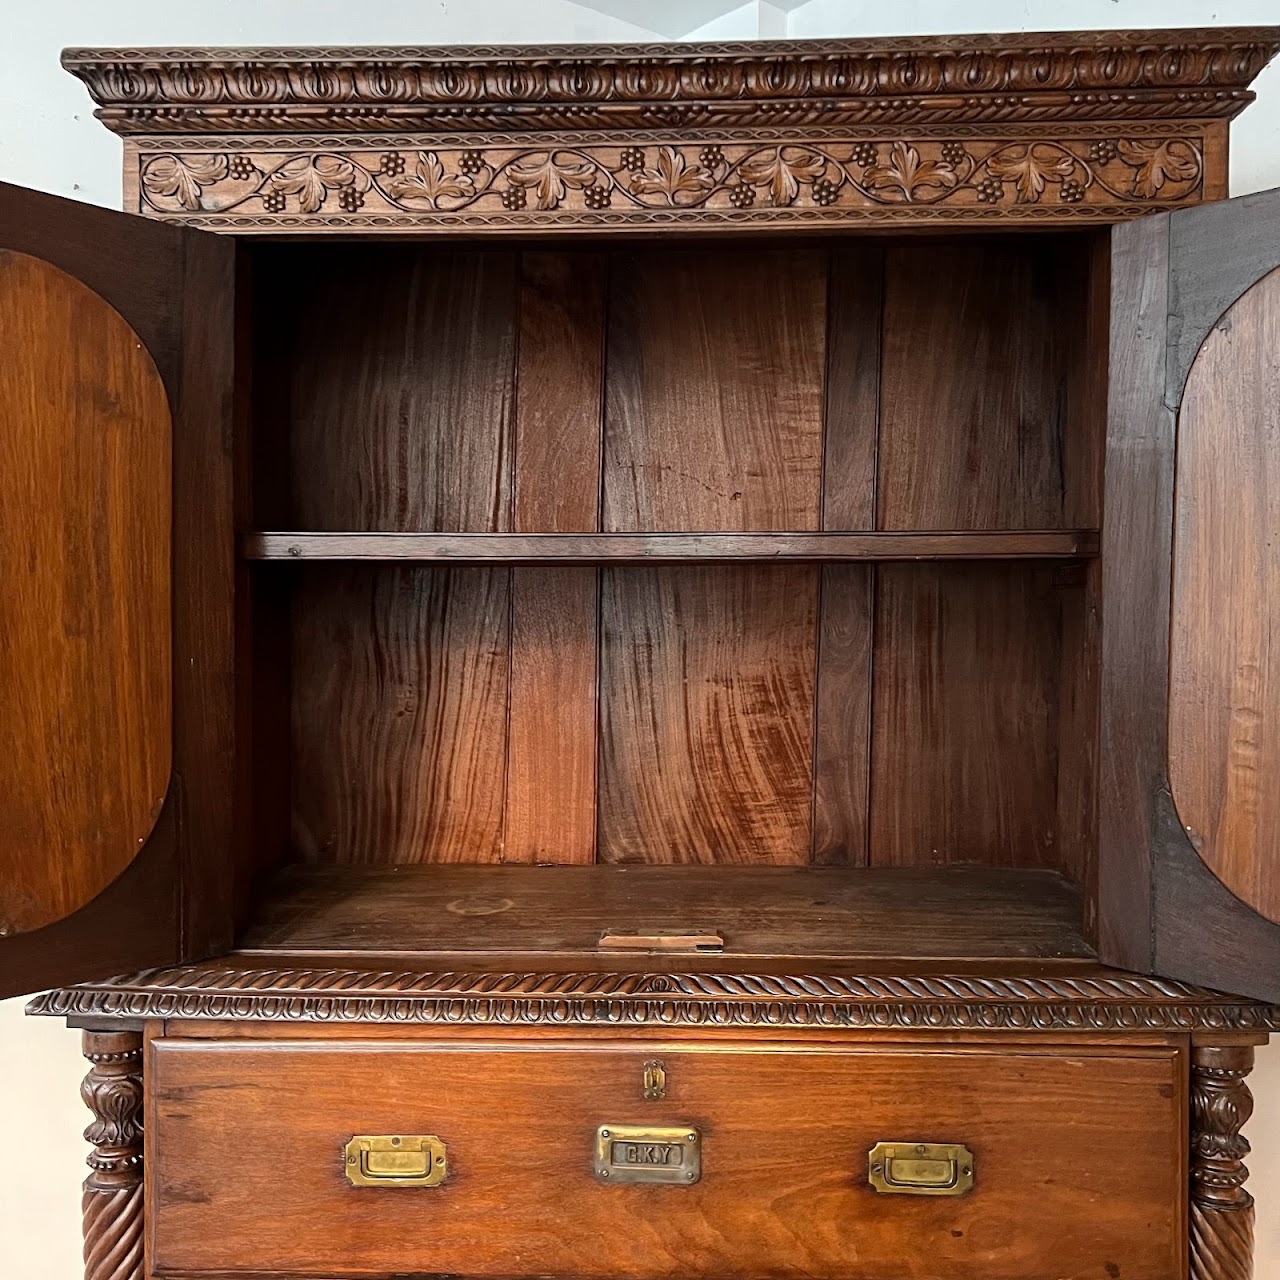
(706, 729)
(87, 706)
(400, 681)
(113, 1192)
(1224, 683)
(551, 737)
(964, 716)
(667, 548)
(713, 417)
(784, 1135)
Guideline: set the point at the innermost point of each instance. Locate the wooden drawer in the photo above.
(1079, 1161)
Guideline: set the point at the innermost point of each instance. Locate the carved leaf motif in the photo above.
(1029, 170)
(783, 172)
(672, 176)
(1156, 163)
(183, 177)
(310, 178)
(908, 172)
(551, 177)
(431, 183)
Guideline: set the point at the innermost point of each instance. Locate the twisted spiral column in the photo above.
(1221, 1209)
(112, 1203)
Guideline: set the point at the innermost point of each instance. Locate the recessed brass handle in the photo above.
(920, 1168)
(399, 1161)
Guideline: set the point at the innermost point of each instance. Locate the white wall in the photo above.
(49, 140)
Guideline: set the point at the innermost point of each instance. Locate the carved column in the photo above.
(113, 1190)
(1221, 1209)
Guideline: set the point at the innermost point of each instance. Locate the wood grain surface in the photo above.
(1224, 680)
(85, 632)
(964, 716)
(400, 389)
(714, 390)
(400, 714)
(961, 913)
(707, 697)
(973, 387)
(551, 737)
(1088, 1139)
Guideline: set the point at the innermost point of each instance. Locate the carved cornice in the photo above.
(1099, 1000)
(949, 79)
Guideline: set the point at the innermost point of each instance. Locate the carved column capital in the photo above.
(1221, 1209)
(113, 1195)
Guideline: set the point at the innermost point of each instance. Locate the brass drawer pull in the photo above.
(643, 1153)
(920, 1168)
(377, 1161)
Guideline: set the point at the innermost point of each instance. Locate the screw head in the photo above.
(395, 1142)
(604, 1133)
(604, 1173)
(693, 1137)
(689, 1175)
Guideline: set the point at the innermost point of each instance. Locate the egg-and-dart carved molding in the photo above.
(602, 183)
(970, 78)
(1107, 1002)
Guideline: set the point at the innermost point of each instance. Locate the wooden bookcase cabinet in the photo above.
(654, 551)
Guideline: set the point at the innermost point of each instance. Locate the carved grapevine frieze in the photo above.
(989, 176)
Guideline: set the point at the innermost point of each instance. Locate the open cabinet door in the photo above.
(1189, 823)
(116, 585)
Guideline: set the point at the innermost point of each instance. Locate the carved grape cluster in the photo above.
(865, 153)
(241, 168)
(514, 198)
(1102, 150)
(742, 196)
(990, 190)
(632, 159)
(1071, 190)
(596, 197)
(350, 199)
(711, 157)
(954, 152)
(391, 163)
(471, 163)
(825, 192)
(273, 201)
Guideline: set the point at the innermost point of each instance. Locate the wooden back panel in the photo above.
(1224, 678)
(85, 629)
(749, 714)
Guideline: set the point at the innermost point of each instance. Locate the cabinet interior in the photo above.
(840, 755)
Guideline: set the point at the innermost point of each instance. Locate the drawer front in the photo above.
(1078, 1165)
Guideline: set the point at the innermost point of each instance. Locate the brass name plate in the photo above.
(920, 1168)
(386, 1161)
(642, 1153)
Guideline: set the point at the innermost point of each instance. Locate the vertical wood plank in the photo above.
(551, 766)
(973, 395)
(842, 710)
(842, 746)
(402, 391)
(965, 715)
(713, 416)
(399, 714)
(707, 722)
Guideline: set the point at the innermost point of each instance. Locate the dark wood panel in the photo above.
(961, 913)
(638, 548)
(842, 730)
(965, 716)
(401, 389)
(1224, 676)
(400, 680)
(551, 742)
(785, 1138)
(707, 703)
(973, 396)
(854, 312)
(86, 702)
(714, 388)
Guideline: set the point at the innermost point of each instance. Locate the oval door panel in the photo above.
(1224, 692)
(85, 680)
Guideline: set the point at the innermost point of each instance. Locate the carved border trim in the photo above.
(716, 182)
(1121, 1002)
(970, 78)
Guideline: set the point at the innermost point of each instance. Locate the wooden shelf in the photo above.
(668, 548)
(786, 913)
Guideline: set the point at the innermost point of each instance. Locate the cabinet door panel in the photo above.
(115, 709)
(1190, 820)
